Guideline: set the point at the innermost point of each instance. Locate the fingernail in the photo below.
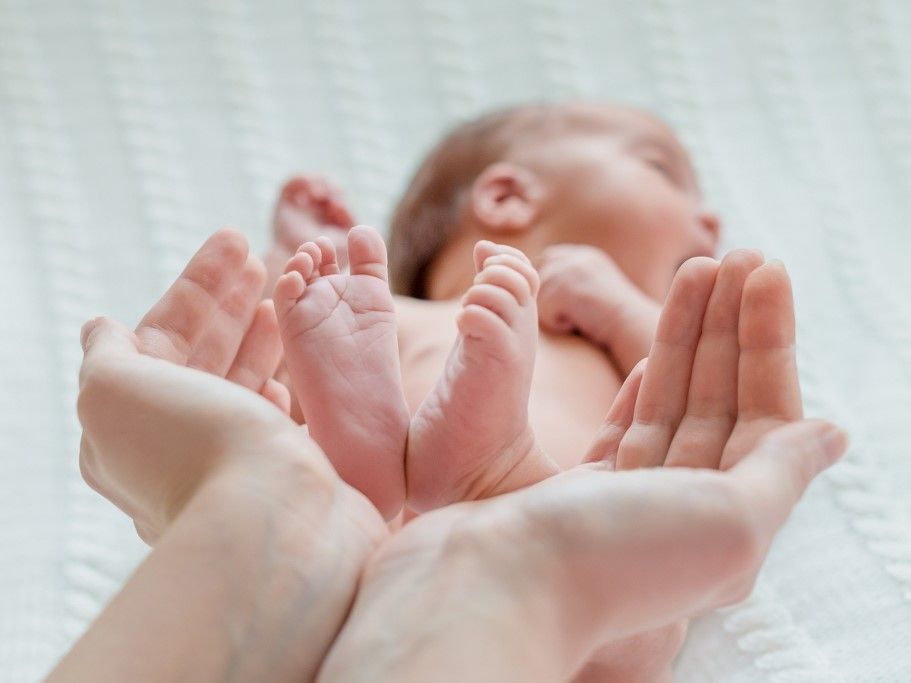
(778, 263)
(834, 441)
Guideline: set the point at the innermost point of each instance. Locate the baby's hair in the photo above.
(428, 215)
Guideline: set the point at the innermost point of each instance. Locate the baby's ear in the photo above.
(711, 223)
(506, 198)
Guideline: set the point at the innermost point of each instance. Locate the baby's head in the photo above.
(610, 176)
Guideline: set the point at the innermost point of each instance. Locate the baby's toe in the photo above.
(502, 275)
(521, 265)
(367, 253)
(302, 263)
(288, 289)
(497, 299)
(483, 250)
(480, 323)
(312, 250)
(328, 257)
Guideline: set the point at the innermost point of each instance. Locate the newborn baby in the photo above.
(454, 373)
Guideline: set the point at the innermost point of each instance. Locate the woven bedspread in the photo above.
(130, 130)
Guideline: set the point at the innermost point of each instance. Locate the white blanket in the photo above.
(130, 130)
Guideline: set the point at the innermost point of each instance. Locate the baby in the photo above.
(486, 374)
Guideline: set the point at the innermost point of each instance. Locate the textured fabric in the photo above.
(130, 130)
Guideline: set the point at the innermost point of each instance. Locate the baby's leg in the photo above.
(342, 354)
(470, 438)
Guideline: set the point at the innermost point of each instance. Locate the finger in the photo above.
(711, 404)
(260, 352)
(774, 475)
(768, 384)
(218, 345)
(174, 325)
(619, 418)
(662, 396)
(103, 338)
(277, 393)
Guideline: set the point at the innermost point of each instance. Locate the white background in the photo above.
(131, 130)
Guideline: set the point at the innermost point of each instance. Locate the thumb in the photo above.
(779, 469)
(618, 420)
(103, 335)
(101, 339)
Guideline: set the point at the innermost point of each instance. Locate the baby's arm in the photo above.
(583, 290)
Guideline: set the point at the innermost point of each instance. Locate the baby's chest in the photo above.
(573, 387)
(571, 377)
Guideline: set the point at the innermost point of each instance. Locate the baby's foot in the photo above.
(307, 207)
(342, 354)
(470, 437)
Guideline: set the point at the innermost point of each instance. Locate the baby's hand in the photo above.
(572, 275)
(584, 291)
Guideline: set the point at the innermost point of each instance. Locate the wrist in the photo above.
(288, 477)
(304, 537)
(453, 597)
(252, 581)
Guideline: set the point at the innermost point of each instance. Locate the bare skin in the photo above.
(512, 587)
(734, 397)
(341, 351)
(728, 328)
(308, 207)
(470, 437)
(258, 544)
(608, 217)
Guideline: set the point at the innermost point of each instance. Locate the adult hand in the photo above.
(566, 565)
(530, 559)
(722, 372)
(527, 585)
(261, 544)
(716, 338)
